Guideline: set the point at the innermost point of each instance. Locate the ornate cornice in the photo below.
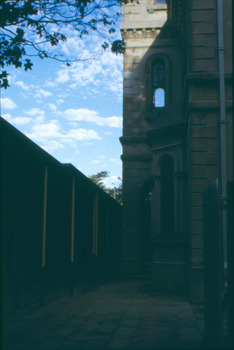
(208, 105)
(129, 140)
(135, 33)
(194, 77)
(136, 157)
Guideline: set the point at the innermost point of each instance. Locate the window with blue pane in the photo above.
(160, 1)
(158, 84)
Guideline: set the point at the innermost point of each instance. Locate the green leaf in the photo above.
(4, 80)
(118, 46)
(28, 65)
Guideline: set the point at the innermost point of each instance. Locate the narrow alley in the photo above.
(115, 315)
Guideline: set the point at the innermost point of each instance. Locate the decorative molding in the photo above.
(169, 146)
(208, 106)
(151, 32)
(136, 157)
(156, 7)
(207, 76)
(128, 140)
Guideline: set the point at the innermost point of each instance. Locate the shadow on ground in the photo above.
(118, 315)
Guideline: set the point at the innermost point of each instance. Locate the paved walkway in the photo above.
(119, 315)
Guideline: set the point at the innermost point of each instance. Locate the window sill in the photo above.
(152, 8)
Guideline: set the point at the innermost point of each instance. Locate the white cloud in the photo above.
(87, 144)
(104, 72)
(60, 100)
(16, 120)
(7, 103)
(63, 76)
(35, 112)
(52, 107)
(7, 117)
(83, 134)
(40, 132)
(77, 48)
(101, 159)
(96, 161)
(23, 85)
(53, 137)
(38, 113)
(115, 160)
(52, 145)
(21, 120)
(112, 181)
(42, 93)
(91, 116)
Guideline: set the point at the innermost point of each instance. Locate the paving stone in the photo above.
(118, 344)
(113, 316)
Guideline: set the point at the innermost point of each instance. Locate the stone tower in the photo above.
(171, 145)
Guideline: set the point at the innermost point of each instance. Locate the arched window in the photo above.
(167, 195)
(159, 97)
(158, 83)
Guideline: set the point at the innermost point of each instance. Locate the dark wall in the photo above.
(23, 166)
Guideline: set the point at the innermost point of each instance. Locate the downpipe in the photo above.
(222, 128)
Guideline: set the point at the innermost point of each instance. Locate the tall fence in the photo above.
(57, 227)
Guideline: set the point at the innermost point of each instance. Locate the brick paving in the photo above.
(119, 315)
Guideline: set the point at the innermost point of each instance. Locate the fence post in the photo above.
(72, 257)
(213, 267)
(16, 273)
(43, 253)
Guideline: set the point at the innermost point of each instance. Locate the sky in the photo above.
(74, 113)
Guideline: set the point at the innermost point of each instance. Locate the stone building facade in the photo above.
(177, 134)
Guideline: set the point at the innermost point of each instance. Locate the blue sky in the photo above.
(74, 113)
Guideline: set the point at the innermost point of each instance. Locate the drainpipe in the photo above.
(186, 100)
(222, 124)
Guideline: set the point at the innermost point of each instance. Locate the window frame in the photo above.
(160, 3)
(160, 85)
(150, 110)
(152, 7)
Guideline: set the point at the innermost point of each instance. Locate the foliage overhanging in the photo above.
(28, 27)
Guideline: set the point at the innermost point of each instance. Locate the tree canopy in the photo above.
(31, 27)
(115, 192)
(97, 178)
